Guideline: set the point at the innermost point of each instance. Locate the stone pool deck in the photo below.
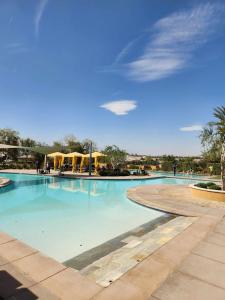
(197, 257)
(189, 266)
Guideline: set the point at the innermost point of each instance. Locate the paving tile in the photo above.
(38, 267)
(211, 251)
(220, 229)
(121, 291)
(4, 238)
(129, 239)
(184, 287)
(147, 275)
(70, 285)
(14, 250)
(177, 249)
(216, 238)
(12, 280)
(133, 244)
(34, 293)
(109, 277)
(205, 269)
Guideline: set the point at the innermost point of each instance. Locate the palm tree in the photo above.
(213, 139)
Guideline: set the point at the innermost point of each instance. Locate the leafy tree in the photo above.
(86, 145)
(167, 162)
(115, 156)
(213, 139)
(72, 144)
(58, 146)
(10, 137)
(28, 142)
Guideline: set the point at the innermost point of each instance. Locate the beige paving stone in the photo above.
(177, 249)
(205, 269)
(220, 229)
(14, 250)
(130, 238)
(211, 251)
(121, 291)
(147, 275)
(106, 279)
(184, 287)
(167, 230)
(4, 238)
(203, 226)
(38, 267)
(222, 222)
(216, 238)
(33, 293)
(133, 244)
(163, 240)
(70, 285)
(12, 280)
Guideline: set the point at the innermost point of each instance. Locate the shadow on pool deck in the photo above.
(11, 288)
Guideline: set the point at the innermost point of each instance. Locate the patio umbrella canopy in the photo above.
(94, 155)
(58, 157)
(74, 156)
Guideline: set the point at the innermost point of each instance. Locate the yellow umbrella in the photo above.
(84, 156)
(57, 156)
(94, 155)
(74, 156)
(98, 154)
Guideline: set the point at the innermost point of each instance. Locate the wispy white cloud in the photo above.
(38, 15)
(125, 50)
(120, 107)
(192, 128)
(172, 42)
(14, 48)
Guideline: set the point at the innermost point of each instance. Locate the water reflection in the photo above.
(89, 187)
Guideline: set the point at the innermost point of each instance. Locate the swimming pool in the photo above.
(65, 217)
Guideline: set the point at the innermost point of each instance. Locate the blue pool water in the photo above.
(64, 217)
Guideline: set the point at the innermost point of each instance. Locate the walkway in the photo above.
(201, 274)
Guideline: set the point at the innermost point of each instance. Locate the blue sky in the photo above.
(144, 75)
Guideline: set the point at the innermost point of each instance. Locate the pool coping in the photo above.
(97, 177)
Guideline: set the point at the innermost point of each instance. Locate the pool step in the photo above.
(112, 266)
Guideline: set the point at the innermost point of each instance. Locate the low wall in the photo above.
(207, 193)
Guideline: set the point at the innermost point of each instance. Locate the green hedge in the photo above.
(111, 172)
(208, 185)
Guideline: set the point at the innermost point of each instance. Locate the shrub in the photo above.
(114, 172)
(216, 187)
(208, 185)
(201, 185)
